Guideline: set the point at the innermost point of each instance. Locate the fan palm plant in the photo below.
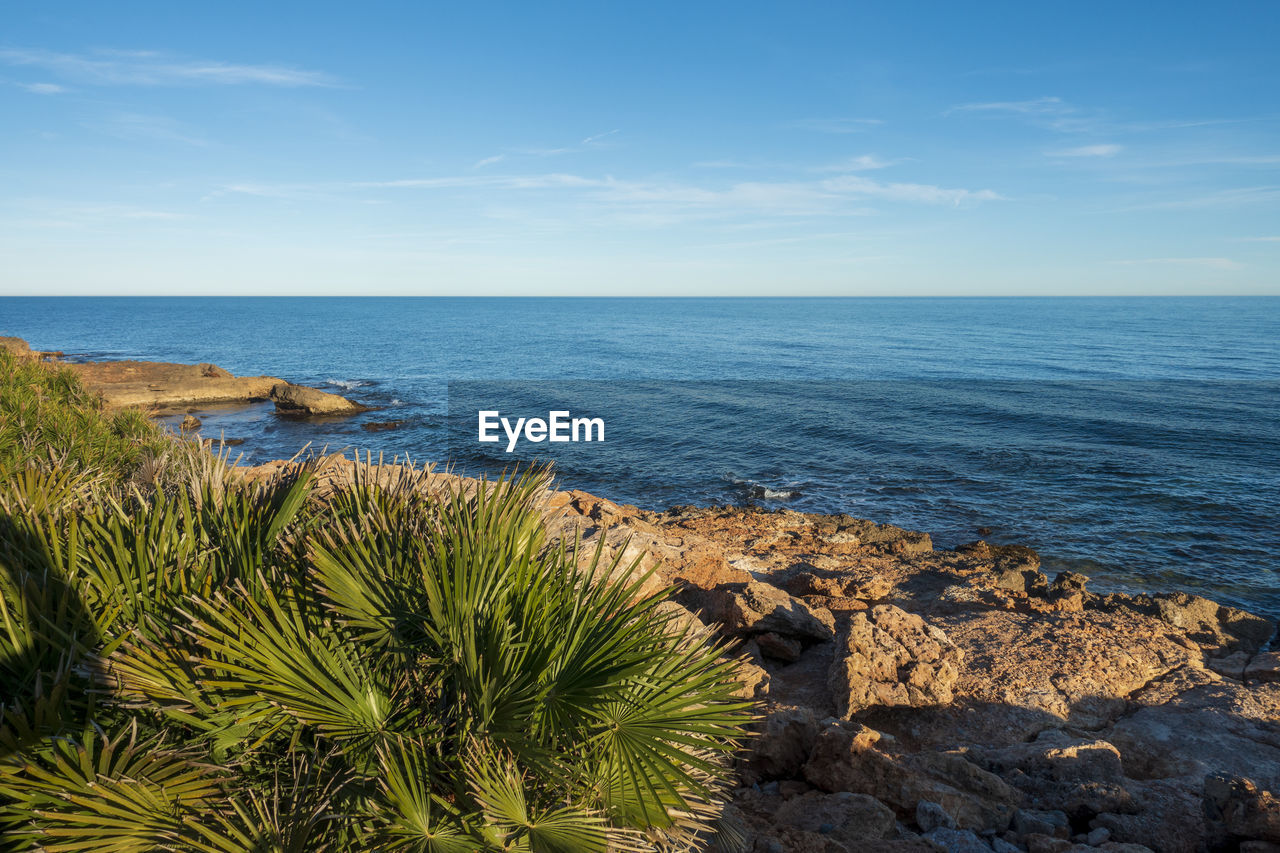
(231, 667)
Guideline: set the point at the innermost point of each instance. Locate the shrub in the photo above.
(48, 417)
(231, 667)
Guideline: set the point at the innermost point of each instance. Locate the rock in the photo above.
(1068, 592)
(1040, 843)
(1167, 816)
(1265, 667)
(759, 608)
(789, 788)
(779, 647)
(1223, 727)
(956, 840)
(781, 749)
(1098, 837)
(1230, 666)
(212, 371)
(299, 400)
(1210, 623)
(846, 757)
(189, 424)
(381, 426)
(1242, 807)
(846, 818)
(888, 657)
(1049, 823)
(999, 845)
(930, 815)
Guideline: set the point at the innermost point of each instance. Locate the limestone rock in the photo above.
(298, 400)
(1210, 623)
(846, 818)
(758, 608)
(888, 657)
(847, 757)
(951, 840)
(1243, 808)
(1264, 667)
(1218, 728)
(781, 749)
(930, 815)
(779, 647)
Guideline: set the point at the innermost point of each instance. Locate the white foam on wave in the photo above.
(348, 384)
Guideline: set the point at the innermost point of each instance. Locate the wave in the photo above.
(759, 491)
(346, 384)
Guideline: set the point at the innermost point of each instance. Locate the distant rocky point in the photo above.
(167, 386)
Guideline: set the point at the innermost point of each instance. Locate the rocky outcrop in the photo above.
(887, 657)
(993, 709)
(301, 401)
(165, 385)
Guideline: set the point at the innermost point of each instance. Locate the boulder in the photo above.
(951, 840)
(758, 608)
(846, 818)
(299, 400)
(847, 757)
(1243, 809)
(1208, 622)
(888, 657)
(782, 747)
(1264, 667)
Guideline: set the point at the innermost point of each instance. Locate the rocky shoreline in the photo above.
(165, 386)
(913, 698)
(919, 699)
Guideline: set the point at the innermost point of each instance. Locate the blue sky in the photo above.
(660, 148)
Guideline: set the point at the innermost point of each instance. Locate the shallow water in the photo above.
(1137, 440)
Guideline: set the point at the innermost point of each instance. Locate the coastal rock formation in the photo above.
(299, 400)
(992, 709)
(886, 656)
(165, 385)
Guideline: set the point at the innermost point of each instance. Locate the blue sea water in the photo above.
(1136, 440)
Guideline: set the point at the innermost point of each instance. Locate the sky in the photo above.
(658, 148)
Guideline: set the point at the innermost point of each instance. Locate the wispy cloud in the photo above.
(152, 68)
(1106, 150)
(656, 203)
(861, 163)
(42, 88)
(585, 144)
(835, 125)
(1209, 263)
(1036, 106)
(1258, 239)
(592, 139)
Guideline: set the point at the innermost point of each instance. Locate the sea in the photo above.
(1135, 440)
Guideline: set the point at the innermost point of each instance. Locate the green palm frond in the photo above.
(118, 794)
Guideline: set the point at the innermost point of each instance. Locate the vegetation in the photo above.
(219, 665)
(45, 410)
